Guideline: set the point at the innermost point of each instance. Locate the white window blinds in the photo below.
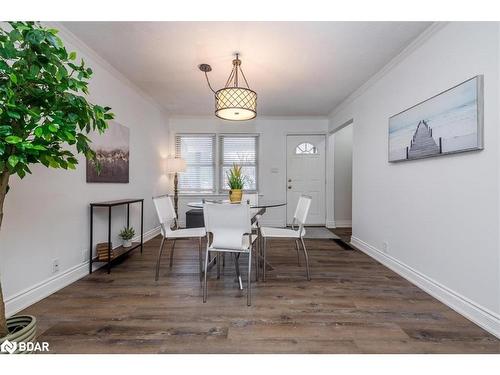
(242, 150)
(199, 153)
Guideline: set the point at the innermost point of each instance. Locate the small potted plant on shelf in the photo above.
(236, 182)
(126, 235)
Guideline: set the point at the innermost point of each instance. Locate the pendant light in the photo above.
(233, 102)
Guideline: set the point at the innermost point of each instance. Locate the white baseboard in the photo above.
(37, 292)
(330, 224)
(340, 223)
(483, 317)
(152, 233)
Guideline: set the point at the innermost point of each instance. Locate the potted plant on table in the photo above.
(236, 183)
(44, 119)
(126, 235)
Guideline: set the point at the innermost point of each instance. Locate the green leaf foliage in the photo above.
(127, 233)
(45, 116)
(235, 177)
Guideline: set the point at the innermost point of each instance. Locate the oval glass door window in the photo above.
(306, 148)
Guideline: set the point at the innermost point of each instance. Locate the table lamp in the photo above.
(175, 166)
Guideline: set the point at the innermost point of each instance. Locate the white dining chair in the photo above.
(229, 231)
(253, 200)
(169, 230)
(299, 218)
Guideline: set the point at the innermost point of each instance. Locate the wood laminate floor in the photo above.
(352, 305)
(344, 233)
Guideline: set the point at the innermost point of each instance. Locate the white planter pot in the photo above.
(127, 243)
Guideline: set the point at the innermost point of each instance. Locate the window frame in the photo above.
(306, 143)
(213, 164)
(220, 156)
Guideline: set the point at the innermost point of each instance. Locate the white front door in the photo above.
(306, 175)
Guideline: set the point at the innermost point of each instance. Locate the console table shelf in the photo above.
(120, 251)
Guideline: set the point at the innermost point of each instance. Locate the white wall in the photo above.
(272, 152)
(438, 216)
(343, 176)
(47, 213)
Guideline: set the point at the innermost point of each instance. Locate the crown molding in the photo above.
(70, 37)
(408, 50)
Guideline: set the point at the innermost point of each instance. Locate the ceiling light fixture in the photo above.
(233, 102)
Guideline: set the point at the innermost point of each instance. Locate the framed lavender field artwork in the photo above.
(112, 149)
(447, 123)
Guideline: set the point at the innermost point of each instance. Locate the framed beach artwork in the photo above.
(112, 149)
(447, 123)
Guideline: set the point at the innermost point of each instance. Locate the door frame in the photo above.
(325, 135)
(331, 135)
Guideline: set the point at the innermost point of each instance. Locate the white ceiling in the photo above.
(296, 68)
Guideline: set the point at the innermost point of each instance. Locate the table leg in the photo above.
(91, 237)
(142, 225)
(109, 239)
(128, 215)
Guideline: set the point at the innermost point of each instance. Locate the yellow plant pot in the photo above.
(235, 195)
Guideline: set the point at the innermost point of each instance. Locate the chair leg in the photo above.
(199, 258)
(205, 287)
(249, 279)
(307, 259)
(256, 260)
(160, 250)
(237, 268)
(172, 253)
(217, 260)
(298, 253)
(264, 250)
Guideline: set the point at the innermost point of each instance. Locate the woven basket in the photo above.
(102, 252)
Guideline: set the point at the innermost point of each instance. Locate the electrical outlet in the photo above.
(55, 265)
(385, 247)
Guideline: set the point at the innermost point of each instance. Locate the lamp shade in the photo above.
(175, 165)
(236, 104)
(233, 102)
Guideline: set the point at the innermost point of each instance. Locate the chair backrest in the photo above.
(302, 210)
(228, 223)
(250, 198)
(166, 213)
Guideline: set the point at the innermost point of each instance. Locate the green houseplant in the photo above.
(126, 235)
(44, 113)
(236, 183)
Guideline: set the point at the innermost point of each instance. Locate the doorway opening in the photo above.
(342, 140)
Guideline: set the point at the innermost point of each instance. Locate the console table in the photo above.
(120, 250)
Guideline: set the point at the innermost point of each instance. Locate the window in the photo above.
(306, 148)
(198, 150)
(243, 150)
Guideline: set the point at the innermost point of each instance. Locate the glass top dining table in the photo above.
(261, 205)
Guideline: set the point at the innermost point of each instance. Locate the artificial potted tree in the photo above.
(236, 183)
(126, 235)
(44, 119)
